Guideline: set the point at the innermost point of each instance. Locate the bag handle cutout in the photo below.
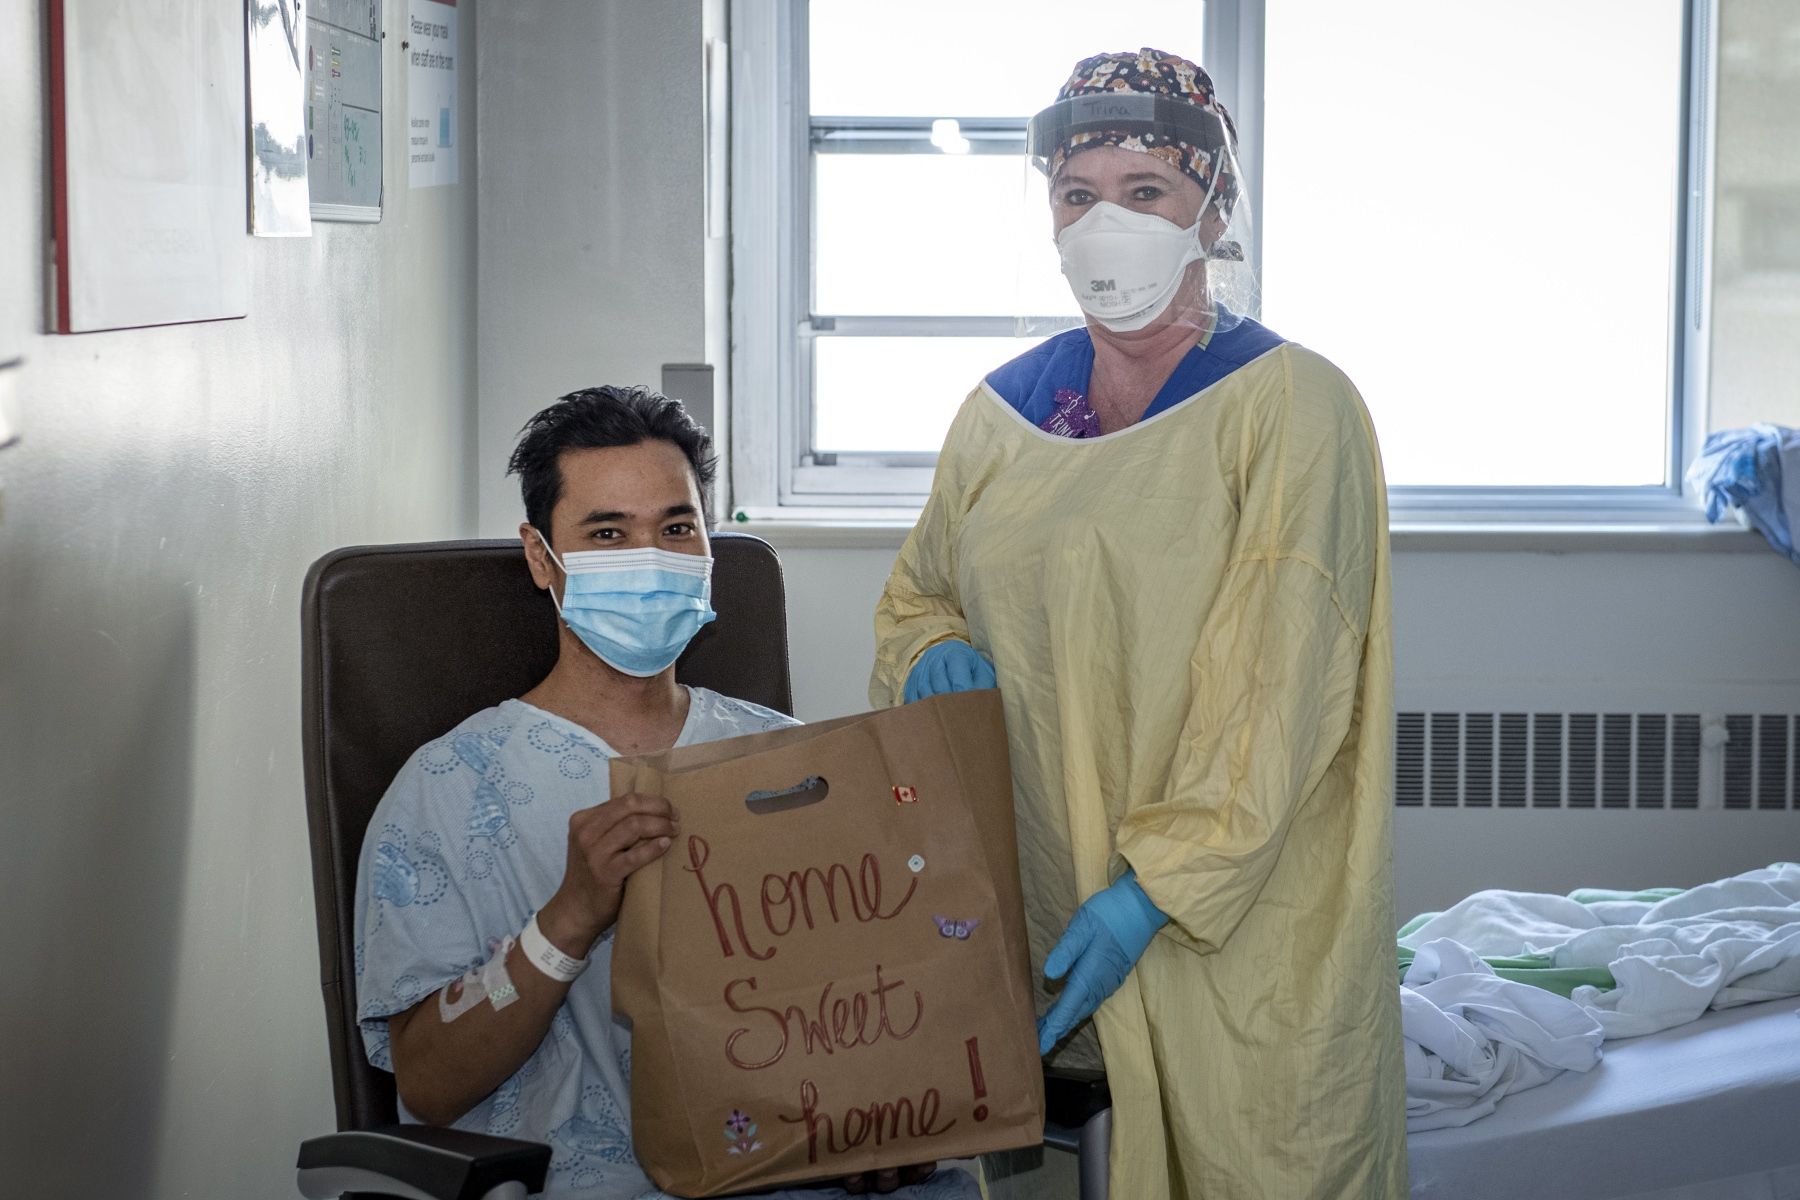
(810, 790)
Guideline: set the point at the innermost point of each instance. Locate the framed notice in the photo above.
(343, 109)
(147, 164)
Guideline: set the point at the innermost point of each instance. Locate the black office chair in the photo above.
(401, 643)
(1078, 1118)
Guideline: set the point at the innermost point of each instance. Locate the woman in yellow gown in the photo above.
(1165, 535)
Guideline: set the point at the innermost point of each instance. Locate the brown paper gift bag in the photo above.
(827, 973)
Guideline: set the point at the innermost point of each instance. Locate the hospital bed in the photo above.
(1704, 1111)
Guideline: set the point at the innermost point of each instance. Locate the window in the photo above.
(1488, 252)
(1478, 211)
(1755, 286)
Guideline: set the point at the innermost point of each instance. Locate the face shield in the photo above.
(1147, 206)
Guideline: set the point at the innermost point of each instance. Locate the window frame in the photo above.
(774, 474)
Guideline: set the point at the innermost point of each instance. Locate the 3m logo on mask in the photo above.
(1126, 267)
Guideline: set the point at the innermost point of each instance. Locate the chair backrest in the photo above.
(400, 644)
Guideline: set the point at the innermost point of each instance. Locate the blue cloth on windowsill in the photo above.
(1746, 470)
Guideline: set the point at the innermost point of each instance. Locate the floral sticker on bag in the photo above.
(740, 1131)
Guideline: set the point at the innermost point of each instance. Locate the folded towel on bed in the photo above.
(1472, 1037)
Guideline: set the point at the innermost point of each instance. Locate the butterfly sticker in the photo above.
(960, 930)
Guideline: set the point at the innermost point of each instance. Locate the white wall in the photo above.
(1671, 629)
(164, 1035)
(592, 228)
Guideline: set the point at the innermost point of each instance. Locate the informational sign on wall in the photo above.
(432, 131)
(343, 109)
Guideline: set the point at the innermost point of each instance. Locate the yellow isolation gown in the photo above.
(1190, 622)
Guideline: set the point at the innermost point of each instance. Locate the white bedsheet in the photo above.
(1473, 1038)
(1709, 1110)
(1734, 941)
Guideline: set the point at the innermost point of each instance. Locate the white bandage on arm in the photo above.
(546, 957)
(488, 982)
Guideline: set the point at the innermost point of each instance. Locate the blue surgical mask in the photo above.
(636, 609)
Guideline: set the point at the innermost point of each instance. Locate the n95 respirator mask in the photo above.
(1125, 267)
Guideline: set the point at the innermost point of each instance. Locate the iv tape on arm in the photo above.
(488, 982)
(491, 982)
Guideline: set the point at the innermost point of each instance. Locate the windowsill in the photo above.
(886, 531)
(1572, 538)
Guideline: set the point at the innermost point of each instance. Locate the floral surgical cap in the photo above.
(1162, 74)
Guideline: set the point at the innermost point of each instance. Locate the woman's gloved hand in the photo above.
(953, 666)
(1108, 935)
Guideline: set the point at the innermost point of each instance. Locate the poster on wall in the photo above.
(279, 204)
(343, 109)
(147, 164)
(432, 131)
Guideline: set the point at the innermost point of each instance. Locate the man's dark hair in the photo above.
(593, 418)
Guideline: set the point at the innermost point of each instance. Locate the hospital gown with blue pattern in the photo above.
(468, 842)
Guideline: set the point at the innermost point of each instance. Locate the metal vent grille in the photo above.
(1409, 759)
(1514, 755)
(1616, 753)
(1594, 760)
(1740, 766)
(1762, 761)
(1446, 746)
(1771, 761)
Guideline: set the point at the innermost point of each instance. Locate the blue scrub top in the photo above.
(1031, 383)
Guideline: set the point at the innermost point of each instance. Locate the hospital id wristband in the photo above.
(546, 957)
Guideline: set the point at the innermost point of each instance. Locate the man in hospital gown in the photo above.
(507, 821)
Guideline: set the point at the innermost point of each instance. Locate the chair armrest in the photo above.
(419, 1162)
(1073, 1096)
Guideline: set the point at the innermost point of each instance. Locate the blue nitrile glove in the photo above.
(1109, 934)
(953, 666)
